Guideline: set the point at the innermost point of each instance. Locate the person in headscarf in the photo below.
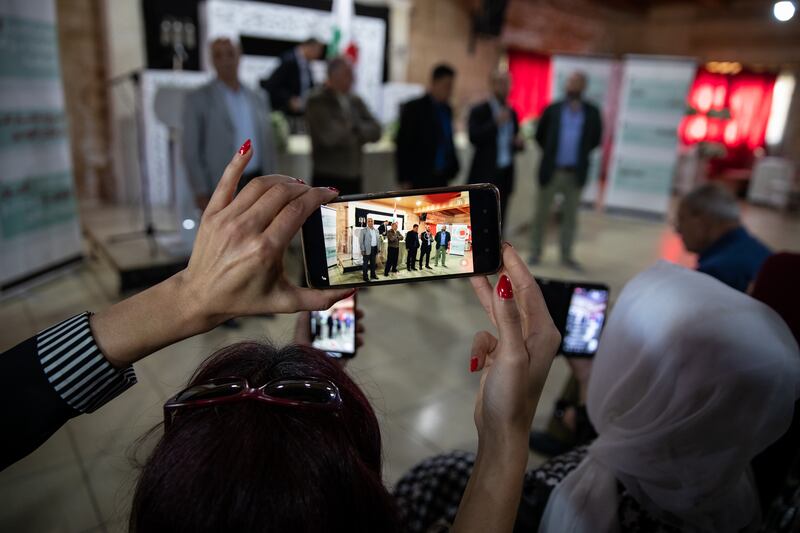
(691, 380)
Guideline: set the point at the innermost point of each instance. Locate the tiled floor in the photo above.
(82, 478)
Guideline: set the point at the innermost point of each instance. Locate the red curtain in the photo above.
(530, 83)
(730, 109)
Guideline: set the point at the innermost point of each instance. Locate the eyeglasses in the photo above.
(286, 392)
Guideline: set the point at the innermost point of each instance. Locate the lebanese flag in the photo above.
(342, 43)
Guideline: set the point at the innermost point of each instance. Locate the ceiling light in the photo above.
(783, 10)
(419, 202)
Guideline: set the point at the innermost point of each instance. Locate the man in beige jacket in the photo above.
(339, 124)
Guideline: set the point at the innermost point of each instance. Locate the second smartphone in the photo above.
(334, 330)
(398, 237)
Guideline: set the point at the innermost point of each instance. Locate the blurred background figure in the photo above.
(218, 117)
(426, 154)
(709, 224)
(568, 131)
(290, 84)
(339, 124)
(494, 131)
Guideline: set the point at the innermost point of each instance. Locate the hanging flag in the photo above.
(342, 42)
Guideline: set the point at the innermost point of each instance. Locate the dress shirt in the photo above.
(505, 135)
(569, 136)
(243, 119)
(373, 234)
(445, 122)
(302, 66)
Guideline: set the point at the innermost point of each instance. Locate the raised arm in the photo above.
(236, 269)
(513, 370)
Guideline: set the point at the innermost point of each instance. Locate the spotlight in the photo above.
(783, 10)
(188, 223)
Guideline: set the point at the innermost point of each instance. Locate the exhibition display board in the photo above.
(645, 151)
(39, 226)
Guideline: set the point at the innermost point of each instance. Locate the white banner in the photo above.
(39, 225)
(602, 90)
(644, 156)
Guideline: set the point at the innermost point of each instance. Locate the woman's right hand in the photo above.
(514, 366)
(513, 369)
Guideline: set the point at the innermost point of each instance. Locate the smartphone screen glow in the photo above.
(334, 330)
(587, 310)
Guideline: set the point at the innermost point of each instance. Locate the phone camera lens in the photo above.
(486, 250)
(485, 211)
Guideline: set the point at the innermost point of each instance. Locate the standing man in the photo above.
(217, 118)
(393, 239)
(494, 131)
(369, 250)
(426, 154)
(708, 221)
(412, 243)
(339, 124)
(442, 243)
(291, 82)
(426, 241)
(568, 131)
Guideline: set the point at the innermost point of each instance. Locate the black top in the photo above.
(284, 82)
(483, 135)
(412, 240)
(547, 134)
(438, 239)
(418, 137)
(48, 379)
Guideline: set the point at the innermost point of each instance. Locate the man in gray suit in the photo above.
(368, 241)
(217, 118)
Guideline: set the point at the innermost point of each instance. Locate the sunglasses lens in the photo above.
(307, 391)
(217, 388)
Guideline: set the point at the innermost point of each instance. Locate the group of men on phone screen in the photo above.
(425, 242)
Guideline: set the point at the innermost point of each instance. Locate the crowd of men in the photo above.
(371, 237)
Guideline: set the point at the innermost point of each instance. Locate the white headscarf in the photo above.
(692, 379)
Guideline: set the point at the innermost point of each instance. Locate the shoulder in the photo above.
(481, 107)
(555, 107)
(591, 108)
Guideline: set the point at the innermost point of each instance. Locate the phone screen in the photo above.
(404, 236)
(334, 330)
(585, 318)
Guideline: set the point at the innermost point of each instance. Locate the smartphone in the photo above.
(399, 237)
(579, 312)
(334, 330)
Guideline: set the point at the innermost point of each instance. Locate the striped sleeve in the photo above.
(77, 369)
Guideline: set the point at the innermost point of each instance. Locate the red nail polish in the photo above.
(299, 180)
(504, 289)
(508, 244)
(334, 189)
(473, 364)
(245, 147)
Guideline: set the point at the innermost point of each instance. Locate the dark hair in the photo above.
(244, 466)
(416, 225)
(442, 70)
(311, 40)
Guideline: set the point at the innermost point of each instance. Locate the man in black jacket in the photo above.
(290, 83)
(442, 244)
(493, 130)
(426, 242)
(412, 243)
(568, 131)
(426, 154)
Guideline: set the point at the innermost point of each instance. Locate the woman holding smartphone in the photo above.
(255, 430)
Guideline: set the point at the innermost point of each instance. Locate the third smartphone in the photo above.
(398, 237)
(334, 330)
(578, 311)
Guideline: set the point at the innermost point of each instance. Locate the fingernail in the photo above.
(504, 289)
(473, 363)
(508, 244)
(299, 180)
(245, 147)
(334, 189)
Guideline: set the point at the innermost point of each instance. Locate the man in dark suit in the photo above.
(412, 243)
(426, 242)
(568, 131)
(494, 131)
(291, 81)
(426, 154)
(442, 243)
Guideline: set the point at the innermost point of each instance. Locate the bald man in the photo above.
(568, 131)
(218, 117)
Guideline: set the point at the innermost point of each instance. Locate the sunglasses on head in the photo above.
(312, 393)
